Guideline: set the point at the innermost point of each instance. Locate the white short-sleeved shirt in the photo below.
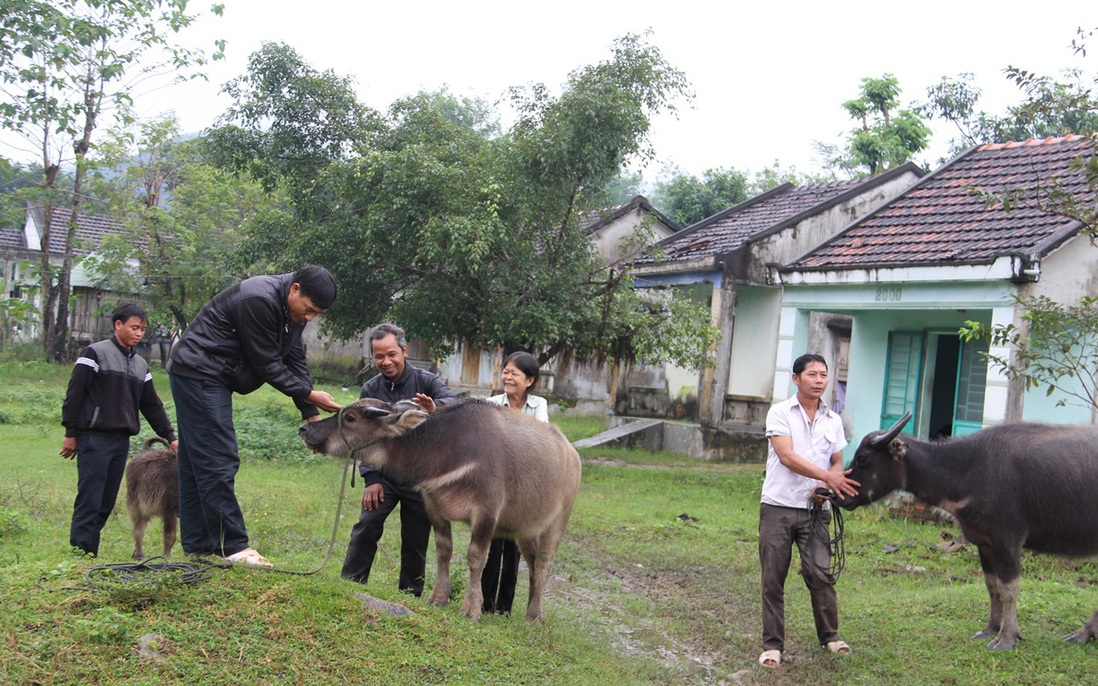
(815, 442)
(535, 406)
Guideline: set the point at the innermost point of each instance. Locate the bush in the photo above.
(269, 432)
(12, 524)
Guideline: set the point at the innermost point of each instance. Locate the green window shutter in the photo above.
(968, 413)
(902, 372)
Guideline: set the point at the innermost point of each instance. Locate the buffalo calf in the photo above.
(152, 490)
(503, 473)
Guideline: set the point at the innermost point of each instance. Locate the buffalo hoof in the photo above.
(1080, 637)
(473, 616)
(438, 602)
(984, 635)
(1001, 643)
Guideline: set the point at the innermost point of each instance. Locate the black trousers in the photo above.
(415, 532)
(100, 464)
(210, 519)
(500, 572)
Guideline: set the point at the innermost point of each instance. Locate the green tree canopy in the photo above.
(886, 135)
(460, 232)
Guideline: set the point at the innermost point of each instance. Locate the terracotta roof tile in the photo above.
(946, 219)
(740, 224)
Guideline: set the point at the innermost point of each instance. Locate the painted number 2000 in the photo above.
(889, 295)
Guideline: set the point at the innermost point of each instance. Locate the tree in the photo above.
(182, 217)
(687, 199)
(463, 234)
(886, 136)
(63, 65)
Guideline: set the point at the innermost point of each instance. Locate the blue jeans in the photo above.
(210, 519)
(100, 464)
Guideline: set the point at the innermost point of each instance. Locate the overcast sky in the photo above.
(769, 77)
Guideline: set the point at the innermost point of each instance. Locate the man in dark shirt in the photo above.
(110, 384)
(247, 335)
(397, 381)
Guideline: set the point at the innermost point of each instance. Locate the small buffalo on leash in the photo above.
(503, 473)
(152, 490)
(1011, 486)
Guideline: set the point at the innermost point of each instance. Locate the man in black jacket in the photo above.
(248, 335)
(110, 384)
(397, 381)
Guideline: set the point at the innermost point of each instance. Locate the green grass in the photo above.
(656, 582)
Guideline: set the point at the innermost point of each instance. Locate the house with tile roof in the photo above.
(21, 251)
(724, 261)
(911, 273)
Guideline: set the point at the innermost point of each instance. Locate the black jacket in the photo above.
(108, 387)
(244, 338)
(412, 381)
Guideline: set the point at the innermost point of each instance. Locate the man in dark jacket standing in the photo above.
(397, 381)
(248, 335)
(110, 384)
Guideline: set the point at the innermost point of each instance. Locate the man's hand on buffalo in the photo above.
(425, 402)
(324, 401)
(839, 483)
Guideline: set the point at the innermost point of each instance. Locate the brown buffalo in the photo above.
(152, 490)
(503, 473)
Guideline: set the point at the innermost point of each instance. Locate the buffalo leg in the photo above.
(480, 539)
(139, 526)
(170, 525)
(1002, 573)
(1088, 633)
(995, 613)
(444, 549)
(1009, 632)
(539, 572)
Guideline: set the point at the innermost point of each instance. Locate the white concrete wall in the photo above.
(758, 315)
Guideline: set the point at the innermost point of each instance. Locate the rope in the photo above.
(832, 538)
(198, 569)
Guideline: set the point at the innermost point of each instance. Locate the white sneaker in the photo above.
(249, 556)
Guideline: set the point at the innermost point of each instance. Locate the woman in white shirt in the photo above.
(520, 374)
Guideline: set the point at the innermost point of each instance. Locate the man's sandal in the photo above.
(839, 647)
(770, 658)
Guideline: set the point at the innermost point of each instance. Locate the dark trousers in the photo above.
(100, 464)
(779, 529)
(210, 520)
(415, 531)
(500, 571)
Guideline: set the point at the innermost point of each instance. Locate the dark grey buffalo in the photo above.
(1010, 487)
(152, 490)
(503, 473)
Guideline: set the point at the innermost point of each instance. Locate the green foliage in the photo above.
(64, 66)
(887, 136)
(269, 431)
(687, 199)
(1049, 106)
(12, 524)
(1055, 347)
(106, 626)
(429, 217)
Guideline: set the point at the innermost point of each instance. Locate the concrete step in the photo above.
(616, 433)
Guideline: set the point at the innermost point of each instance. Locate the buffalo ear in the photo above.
(410, 420)
(898, 449)
(404, 405)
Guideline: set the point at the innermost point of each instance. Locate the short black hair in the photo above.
(317, 284)
(125, 311)
(801, 362)
(384, 329)
(525, 363)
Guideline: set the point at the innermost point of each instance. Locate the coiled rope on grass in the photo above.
(150, 573)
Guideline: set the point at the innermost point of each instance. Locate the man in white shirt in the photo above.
(805, 452)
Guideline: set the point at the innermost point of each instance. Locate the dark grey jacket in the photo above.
(413, 380)
(244, 338)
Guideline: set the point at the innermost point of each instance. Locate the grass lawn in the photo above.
(656, 582)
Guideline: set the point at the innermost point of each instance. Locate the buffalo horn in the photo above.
(371, 411)
(886, 437)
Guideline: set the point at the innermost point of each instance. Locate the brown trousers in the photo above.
(779, 529)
